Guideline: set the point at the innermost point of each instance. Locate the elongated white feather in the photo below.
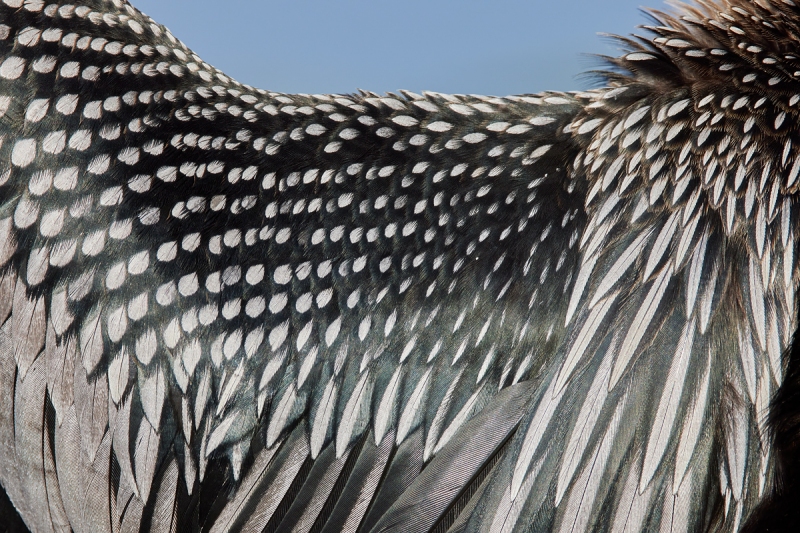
(410, 416)
(118, 374)
(693, 425)
(759, 317)
(736, 436)
(696, 272)
(632, 507)
(384, 417)
(438, 419)
(582, 502)
(661, 244)
(533, 436)
(580, 285)
(463, 415)
(354, 417)
(322, 419)
(145, 456)
(667, 411)
(620, 267)
(153, 392)
(584, 427)
(579, 347)
(281, 415)
(640, 324)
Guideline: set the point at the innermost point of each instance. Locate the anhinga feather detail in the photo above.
(224, 308)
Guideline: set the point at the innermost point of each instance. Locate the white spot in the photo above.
(12, 68)
(24, 152)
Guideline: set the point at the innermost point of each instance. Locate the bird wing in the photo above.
(207, 285)
(237, 309)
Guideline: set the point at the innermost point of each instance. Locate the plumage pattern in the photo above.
(224, 308)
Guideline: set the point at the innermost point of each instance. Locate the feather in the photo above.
(660, 245)
(759, 318)
(322, 418)
(695, 272)
(368, 472)
(262, 490)
(451, 470)
(633, 506)
(533, 436)
(620, 267)
(466, 411)
(91, 341)
(8, 283)
(8, 242)
(355, 416)
(60, 372)
(91, 403)
(165, 511)
(434, 432)
(693, 425)
(410, 417)
(584, 427)
(60, 316)
(747, 356)
(308, 505)
(29, 325)
(736, 437)
(121, 443)
(29, 403)
(384, 416)
(582, 503)
(118, 372)
(69, 467)
(96, 507)
(145, 457)
(641, 322)
(579, 348)
(667, 410)
(152, 392)
(283, 412)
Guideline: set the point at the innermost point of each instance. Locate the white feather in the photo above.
(640, 324)
(536, 430)
(748, 357)
(581, 343)
(689, 231)
(707, 301)
(620, 267)
(353, 413)
(582, 501)
(145, 457)
(774, 348)
(632, 507)
(577, 291)
(411, 413)
(692, 427)
(322, 420)
(231, 387)
(463, 415)
(281, 415)
(695, 273)
(584, 426)
(661, 244)
(118, 374)
(736, 449)
(759, 317)
(668, 406)
(153, 391)
(385, 414)
(441, 413)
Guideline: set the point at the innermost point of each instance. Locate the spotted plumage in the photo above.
(225, 308)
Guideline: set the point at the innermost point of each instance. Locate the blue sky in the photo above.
(460, 46)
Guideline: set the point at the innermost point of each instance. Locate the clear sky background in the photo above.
(459, 46)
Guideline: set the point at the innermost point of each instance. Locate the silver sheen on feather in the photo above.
(228, 309)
